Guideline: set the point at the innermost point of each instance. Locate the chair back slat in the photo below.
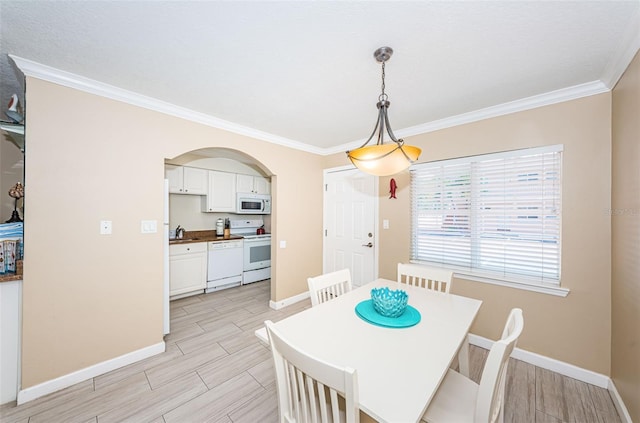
(302, 380)
(425, 277)
(490, 400)
(329, 285)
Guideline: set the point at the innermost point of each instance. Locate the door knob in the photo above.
(368, 245)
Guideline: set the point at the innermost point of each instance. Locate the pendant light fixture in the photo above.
(382, 159)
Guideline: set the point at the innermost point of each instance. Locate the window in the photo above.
(495, 216)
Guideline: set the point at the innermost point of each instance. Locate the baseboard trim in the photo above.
(277, 305)
(548, 363)
(33, 392)
(617, 401)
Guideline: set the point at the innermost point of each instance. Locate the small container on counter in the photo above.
(227, 229)
(219, 227)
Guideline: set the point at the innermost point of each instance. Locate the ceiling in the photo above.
(303, 72)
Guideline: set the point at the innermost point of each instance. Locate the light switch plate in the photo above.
(385, 223)
(105, 227)
(283, 244)
(148, 226)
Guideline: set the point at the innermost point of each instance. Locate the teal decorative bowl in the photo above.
(389, 302)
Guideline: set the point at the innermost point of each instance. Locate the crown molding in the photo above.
(622, 58)
(71, 80)
(67, 79)
(546, 99)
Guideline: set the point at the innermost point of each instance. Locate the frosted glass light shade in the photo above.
(384, 159)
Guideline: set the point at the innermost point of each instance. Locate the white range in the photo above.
(257, 250)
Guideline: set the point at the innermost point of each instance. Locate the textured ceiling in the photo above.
(304, 71)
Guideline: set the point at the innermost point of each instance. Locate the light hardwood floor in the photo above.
(216, 370)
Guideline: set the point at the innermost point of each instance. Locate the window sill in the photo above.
(549, 290)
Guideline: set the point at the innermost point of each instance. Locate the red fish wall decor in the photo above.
(392, 188)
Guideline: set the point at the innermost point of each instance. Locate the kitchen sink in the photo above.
(185, 240)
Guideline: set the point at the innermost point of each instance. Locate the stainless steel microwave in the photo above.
(248, 203)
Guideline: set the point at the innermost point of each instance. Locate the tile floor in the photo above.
(216, 370)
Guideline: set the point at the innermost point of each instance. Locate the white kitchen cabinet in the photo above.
(221, 193)
(187, 268)
(186, 180)
(253, 184)
(11, 318)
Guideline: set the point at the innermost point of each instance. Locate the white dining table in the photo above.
(399, 369)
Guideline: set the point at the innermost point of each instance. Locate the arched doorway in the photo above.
(205, 189)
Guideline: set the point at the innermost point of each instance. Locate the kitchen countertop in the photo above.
(201, 236)
(17, 276)
(10, 277)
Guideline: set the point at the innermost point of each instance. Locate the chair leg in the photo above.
(463, 357)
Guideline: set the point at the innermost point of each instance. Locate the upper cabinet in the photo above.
(253, 184)
(221, 195)
(186, 180)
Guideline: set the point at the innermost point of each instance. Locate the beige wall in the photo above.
(89, 298)
(575, 329)
(625, 205)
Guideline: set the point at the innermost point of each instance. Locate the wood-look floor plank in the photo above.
(263, 372)
(477, 358)
(263, 408)
(153, 404)
(39, 405)
(187, 363)
(255, 321)
(183, 332)
(209, 302)
(225, 368)
(235, 305)
(578, 401)
(606, 409)
(81, 408)
(222, 331)
(213, 322)
(177, 312)
(520, 392)
(195, 317)
(234, 343)
(19, 420)
(540, 418)
(216, 403)
(549, 394)
(171, 353)
(194, 299)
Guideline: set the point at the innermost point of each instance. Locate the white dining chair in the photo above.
(309, 388)
(459, 399)
(425, 277)
(329, 285)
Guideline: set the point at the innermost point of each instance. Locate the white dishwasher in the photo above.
(224, 264)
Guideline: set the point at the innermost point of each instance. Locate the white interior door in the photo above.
(350, 222)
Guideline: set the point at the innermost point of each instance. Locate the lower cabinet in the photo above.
(11, 318)
(187, 268)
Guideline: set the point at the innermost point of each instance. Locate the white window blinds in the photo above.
(496, 215)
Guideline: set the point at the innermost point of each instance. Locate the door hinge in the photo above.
(326, 187)
(325, 232)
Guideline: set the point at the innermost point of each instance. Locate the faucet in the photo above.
(179, 232)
